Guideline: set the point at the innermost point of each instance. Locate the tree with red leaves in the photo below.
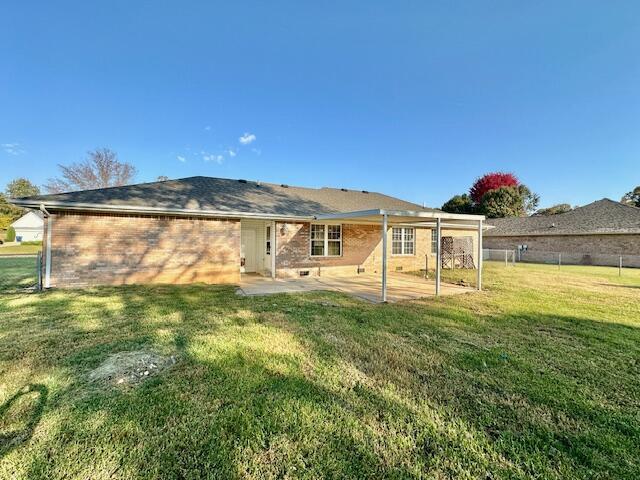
(491, 181)
(495, 195)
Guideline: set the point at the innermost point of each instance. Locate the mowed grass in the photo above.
(536, 377)
(17, 273)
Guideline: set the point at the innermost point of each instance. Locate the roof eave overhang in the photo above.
(130, 209)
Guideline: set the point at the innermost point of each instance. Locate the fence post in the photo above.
(39, 271)
(513, 258)
(559, 260)
(620, 267)
(506, 263)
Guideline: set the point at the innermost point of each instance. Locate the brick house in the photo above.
(598, 233)
(214, 230)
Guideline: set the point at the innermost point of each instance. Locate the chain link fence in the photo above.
(562, 258)
(20, 273)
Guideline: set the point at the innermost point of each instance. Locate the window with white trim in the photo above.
(326, 240)
(403, 241)
(434, 241)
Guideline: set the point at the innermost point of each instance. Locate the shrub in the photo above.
(11, 235)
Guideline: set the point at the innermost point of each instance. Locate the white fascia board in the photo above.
(441, 215)
(400, 213)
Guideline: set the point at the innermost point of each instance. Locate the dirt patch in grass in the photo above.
(131, 368)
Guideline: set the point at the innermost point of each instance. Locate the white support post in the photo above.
(479, 272)
(47, 260)
(384, 257)
(438, 254)
(273, 249)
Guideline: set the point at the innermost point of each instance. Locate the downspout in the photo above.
(47, 265)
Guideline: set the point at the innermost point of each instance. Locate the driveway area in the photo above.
(366, 286)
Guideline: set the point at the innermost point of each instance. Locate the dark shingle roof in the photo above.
(228, 195)
(603, 216)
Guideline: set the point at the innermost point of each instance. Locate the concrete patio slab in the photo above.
(366, 286)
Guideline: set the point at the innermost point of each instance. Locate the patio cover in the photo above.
(435, 219)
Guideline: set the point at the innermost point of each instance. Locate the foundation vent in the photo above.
(304, 273)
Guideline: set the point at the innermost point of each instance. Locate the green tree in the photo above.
(21, 187)
(8, 212)
(506, 202)
(459, 204)
(530, 200)
(554, 210)
(632, 198)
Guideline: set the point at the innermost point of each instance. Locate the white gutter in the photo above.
(47, 265)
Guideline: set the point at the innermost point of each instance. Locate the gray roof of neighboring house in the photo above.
(602, 216)
(228, 195)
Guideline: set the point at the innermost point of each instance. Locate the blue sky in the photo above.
(415, 99)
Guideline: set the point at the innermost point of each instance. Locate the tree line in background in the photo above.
(101, 168)
(495, 195)
(498, 195)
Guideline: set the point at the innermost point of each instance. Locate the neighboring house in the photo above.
(598, 233)
(212, 230)
(29, 227)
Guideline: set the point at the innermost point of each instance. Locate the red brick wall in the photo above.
(97, 249)
(361, 246)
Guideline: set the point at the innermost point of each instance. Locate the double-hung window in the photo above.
(434, 241)
(403, 241)
(326, 240)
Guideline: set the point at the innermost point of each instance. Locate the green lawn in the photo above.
(17, 273)
(537, 377)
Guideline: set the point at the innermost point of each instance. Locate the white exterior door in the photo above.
(248, 249)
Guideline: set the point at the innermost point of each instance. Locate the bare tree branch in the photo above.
(101, 169)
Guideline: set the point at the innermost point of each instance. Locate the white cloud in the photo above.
(208, 128)
(213, 158)
(247, 138)
(257, 151)
(180, 158)
(12, 148)
(232, 153)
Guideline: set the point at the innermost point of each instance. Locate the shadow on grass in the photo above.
(21, 421)
(356, 390)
